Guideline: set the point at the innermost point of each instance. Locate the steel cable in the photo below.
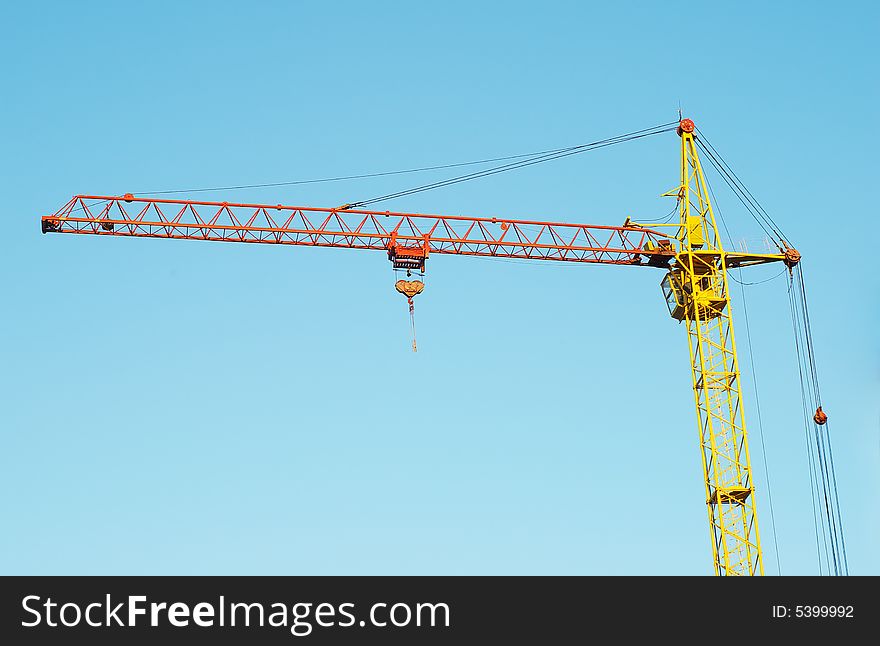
(573, 150)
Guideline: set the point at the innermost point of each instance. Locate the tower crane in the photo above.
(690, 256)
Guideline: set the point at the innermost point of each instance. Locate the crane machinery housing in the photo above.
(689, 253)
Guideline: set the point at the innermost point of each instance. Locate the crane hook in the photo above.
(410, 288)
(820, 417)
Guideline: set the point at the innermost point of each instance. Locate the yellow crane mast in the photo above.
(696, 289)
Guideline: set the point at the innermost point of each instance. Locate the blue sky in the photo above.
(194, 408)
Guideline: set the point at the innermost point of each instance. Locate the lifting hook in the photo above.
(410, 288)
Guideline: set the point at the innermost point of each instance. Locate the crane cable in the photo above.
(343, 178)
(422, 169)
(817, 434)
(536, 159)
(755, 209)
(814, 488)
(412, 323)
(525, 159)
(757, 282)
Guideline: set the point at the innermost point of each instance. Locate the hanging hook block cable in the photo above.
(822, 472)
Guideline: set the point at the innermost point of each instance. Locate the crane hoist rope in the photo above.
(828, 519)
(694, 263)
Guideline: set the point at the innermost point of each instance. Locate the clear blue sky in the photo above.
(183, 407)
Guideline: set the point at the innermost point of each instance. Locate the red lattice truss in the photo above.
(406, 234)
